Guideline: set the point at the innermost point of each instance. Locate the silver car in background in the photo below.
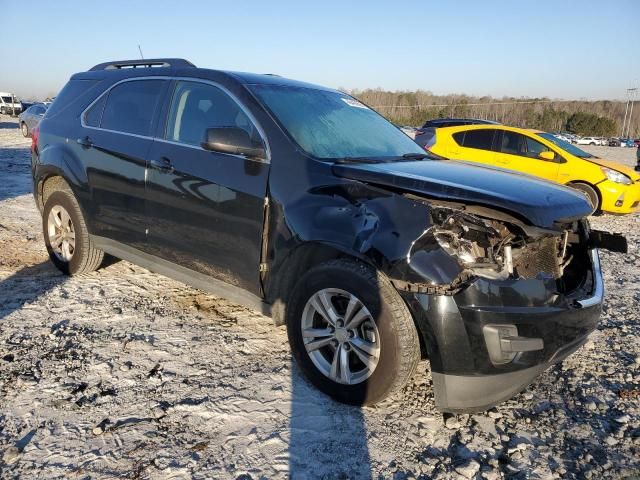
(31, 117)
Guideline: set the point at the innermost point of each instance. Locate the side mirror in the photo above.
(548, 155)
(233, 140)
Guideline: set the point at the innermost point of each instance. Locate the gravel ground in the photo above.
(124, 373)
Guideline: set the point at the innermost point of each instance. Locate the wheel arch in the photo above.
(305, 256)
(590, 185)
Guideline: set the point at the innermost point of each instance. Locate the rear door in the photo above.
(115, 142)
(474, 145)
(206, 209)
(522, 153)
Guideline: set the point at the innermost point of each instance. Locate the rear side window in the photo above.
(198, 106)
(131, 105)
(71, 92)
(480, 139)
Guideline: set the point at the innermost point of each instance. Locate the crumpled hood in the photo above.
(619, 167)
(539, 202)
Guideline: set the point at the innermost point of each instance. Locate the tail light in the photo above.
(34, 140)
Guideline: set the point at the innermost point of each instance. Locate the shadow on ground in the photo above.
(27, 285)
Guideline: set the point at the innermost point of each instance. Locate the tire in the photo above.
(592, 143)
(389, 327)
(79, 258)
(24, 128)
(591, 193)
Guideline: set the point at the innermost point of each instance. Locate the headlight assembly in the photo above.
(616, 176)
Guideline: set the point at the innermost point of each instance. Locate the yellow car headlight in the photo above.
(615, 176)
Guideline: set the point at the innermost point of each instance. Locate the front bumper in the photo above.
(618, 198)
(466, 376)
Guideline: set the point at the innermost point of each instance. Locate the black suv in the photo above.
(301, 202)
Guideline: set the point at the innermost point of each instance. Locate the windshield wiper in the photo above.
(416, 156)
(357, 160)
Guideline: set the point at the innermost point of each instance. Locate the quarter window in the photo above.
(131, 106)
(93, 116)
(481, 139)
(197, 106)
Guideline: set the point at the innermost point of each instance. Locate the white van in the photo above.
(9, 104)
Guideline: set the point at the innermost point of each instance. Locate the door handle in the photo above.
(85, 142)
(163, 165)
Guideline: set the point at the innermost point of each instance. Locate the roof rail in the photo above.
(144, 63)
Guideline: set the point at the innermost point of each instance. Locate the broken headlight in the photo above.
(480, 245)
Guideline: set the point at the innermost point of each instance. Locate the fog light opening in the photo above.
(504, 343)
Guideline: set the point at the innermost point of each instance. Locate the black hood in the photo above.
(539, 202)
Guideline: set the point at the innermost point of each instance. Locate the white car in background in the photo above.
(590, 141)
(9, 104)
(563, 137)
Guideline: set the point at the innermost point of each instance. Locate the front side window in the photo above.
(330, 125)
(481, 139)
(131, 105)
(513, 143)
(535, 148)
(196, 106)
(566, 146)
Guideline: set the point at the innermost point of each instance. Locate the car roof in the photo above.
(466, 120)
(184, 68)
(462, 128)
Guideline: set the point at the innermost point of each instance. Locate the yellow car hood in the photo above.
(628, 171)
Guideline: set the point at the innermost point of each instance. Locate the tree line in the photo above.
(584, 117)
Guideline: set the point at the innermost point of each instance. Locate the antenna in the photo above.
(140, 49)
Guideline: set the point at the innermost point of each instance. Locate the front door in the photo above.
(115, 142)
(206, 209)
(522, 153)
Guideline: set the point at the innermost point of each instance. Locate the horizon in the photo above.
(478, 49)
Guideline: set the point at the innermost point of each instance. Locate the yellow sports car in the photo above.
(611, 187)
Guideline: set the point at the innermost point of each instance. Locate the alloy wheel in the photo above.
(340, 336)
(61, 233)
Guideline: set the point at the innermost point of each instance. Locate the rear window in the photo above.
(71, 92)
(480, 139)
(131, 106)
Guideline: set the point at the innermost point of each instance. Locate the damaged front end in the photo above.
(499, 300)
(460, 246)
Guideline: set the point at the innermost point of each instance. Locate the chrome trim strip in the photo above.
(597, 294)
(261, 132)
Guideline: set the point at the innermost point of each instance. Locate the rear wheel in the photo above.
(591, 192)
(351, 333)
(25, 129)
(66, 236)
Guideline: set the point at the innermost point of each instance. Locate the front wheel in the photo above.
(66, 236)
(351, 333)
(591, 193)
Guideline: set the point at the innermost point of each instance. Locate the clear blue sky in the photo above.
(560, 49)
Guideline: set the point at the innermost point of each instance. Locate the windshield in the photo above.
(566, 146)
(7, 99)
(332, 125)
